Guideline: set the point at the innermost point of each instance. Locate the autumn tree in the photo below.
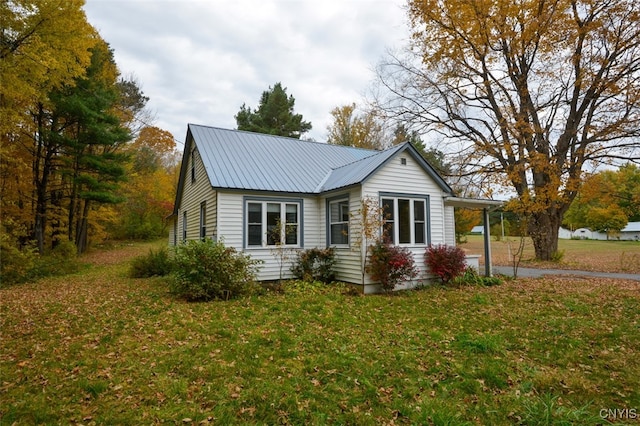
(151, 185)
(530, 92)
(44, 45)
(614, 193)
(274, 115)
(350, 128)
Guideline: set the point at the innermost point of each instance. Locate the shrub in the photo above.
(389, 265)
(446, 262)
(155, 263)
(15, 264)
(207, 270)
(315, 265)
(470, 277)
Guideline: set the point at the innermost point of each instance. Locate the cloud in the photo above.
(199, 61)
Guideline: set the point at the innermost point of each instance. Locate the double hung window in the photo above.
(405, 219)
(271, 223)
(339, 222)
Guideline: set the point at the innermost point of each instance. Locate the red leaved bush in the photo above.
(389, 264)
(447, 262)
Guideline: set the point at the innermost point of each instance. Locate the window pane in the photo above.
(273, 219)
(419, 221)
(292, 213)
(255, 213)
(255, 235)
(291, 236)
(420, 233)
(389, 215)
(404, 222)
(387, 209)
(340, 233)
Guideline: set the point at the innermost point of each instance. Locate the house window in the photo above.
(339, 222)
(405, 220)
(203, 219)
(269, 223)
(184, 226)
(193, 166)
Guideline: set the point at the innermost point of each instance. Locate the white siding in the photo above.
(193, 194)
(411, 179)
(231, 225)
(348, 259)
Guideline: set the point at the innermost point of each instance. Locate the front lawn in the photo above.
(100, 348)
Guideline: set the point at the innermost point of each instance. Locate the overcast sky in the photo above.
(198, 61)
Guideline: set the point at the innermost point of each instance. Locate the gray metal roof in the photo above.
(251, 161)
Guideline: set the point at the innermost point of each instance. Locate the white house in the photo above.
(630, 232)
(237, 186)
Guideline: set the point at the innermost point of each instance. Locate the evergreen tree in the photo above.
(274, 115)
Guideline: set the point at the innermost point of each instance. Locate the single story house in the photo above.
(238, 186)
(631, 232)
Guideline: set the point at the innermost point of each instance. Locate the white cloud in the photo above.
(199, 61)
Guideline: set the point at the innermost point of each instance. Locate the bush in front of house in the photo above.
(154, 264)
(390, 265)
(315, 264)
(446, 262)
(207, 270)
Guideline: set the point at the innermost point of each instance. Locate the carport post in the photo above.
(487, 243)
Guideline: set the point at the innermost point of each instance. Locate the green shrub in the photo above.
(61, 260)
(446, 262)
(15, 264)
(471, 277)
(207, 270)
(155, 263)
(389, 265)
(23, 265)
(315, 264)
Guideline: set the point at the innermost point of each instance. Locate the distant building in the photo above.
(631, 232)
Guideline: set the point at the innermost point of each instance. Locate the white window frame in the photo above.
(283, 203)
(342, 202)
(411, 199)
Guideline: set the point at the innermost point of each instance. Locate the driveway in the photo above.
(535, 273)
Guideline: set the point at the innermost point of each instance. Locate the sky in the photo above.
(199, 61)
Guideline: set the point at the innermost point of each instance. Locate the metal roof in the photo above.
(243, 160)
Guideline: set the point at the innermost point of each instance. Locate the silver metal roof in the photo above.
(251, 161)
(244, 160)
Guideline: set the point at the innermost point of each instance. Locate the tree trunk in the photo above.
(82, 229)
(543, 229)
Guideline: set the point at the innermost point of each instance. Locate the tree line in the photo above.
(71, 135)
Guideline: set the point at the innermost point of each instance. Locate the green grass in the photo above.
(98, 347)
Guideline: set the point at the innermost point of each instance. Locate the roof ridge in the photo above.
(283, 137)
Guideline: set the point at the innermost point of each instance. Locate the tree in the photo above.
(44, 45)
(356, 130)
(610, 219)
(614, 191)
(274, 115)
(530, 92)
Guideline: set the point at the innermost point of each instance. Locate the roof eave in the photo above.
(473, 203)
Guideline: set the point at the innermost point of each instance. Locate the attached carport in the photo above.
(486, 206)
